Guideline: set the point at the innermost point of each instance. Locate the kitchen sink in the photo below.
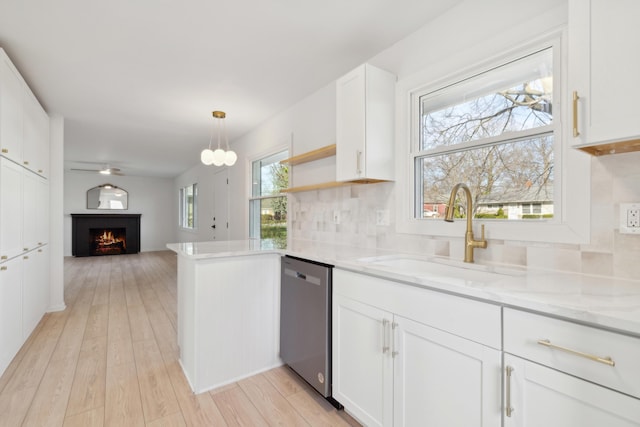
(440, 268)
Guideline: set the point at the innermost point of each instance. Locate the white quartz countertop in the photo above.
(598, 300)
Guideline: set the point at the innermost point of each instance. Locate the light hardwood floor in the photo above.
(110, 359)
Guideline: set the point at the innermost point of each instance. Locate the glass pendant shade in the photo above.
(207, 156)
(230, 158)
(219, 157)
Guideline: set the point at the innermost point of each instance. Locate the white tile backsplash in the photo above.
(615, 179)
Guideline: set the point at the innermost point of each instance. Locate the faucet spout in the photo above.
(470, 242)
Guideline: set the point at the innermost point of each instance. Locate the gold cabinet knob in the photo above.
(5, 151)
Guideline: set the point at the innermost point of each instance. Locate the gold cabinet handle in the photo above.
(5, 151)
(25, 257)
(40, 170)
(25, 249)
(3, 268)
(26, 162)
(4, 257)
(575, 114)
(508, 410)
(605, 360)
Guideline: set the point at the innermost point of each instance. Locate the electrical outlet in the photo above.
(336, 217)
(630, 218)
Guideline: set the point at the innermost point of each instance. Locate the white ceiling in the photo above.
(136, 80)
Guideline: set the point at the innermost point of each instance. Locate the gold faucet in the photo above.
(470, 241)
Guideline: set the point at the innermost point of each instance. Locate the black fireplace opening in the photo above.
(108, 241)
(105, 234)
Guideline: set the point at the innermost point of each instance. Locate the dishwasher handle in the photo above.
(306, 277)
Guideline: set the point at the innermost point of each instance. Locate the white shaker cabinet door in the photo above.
(365, 117)
(11, 93)
(539, 396)
(11, 209)
(362, 366)
(443, 380)
(35, 136)
(10, 311)
(604, 39)
(35, 289)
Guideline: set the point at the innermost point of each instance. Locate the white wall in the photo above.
(464, 36)
(304, 126)
(154, 198)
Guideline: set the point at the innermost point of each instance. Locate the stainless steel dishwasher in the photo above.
(305, 321)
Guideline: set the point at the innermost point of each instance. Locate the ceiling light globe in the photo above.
(230, 158)
(218, 157)
(206, 156)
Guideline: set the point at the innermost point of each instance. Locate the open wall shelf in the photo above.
(320, 153)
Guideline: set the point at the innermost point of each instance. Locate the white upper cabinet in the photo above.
(11, 209)
(11, 114)
(604, 39)
(35, 151)
(365, 125)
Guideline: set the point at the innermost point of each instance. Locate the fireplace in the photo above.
(108, 241)
(105, 234)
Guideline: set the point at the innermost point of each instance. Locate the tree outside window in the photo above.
(495, 133)
(267, 206)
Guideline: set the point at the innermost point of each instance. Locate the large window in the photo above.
(496, 133)
(267, 206)
(188, 198)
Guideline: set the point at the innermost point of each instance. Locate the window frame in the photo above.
(251, 223)
(571, 222)
(183, 207)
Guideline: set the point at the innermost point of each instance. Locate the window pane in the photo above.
(269, 176)
(268, 215)
(515, 97)
(188, 196)
(505, 180)
(273, 218)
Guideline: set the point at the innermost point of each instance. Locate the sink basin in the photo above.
(438, 268)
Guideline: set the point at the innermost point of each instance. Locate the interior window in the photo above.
(267, 206)
(188, 197)
(495, 132)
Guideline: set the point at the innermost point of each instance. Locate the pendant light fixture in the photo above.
(219, 157)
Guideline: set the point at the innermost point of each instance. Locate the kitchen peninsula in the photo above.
(228, 321)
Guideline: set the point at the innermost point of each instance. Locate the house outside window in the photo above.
(267, 206)
(495, 132)
(188, 203)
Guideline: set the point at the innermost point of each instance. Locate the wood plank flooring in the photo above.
(111, 359)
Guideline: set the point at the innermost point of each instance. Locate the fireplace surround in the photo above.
(105, 234)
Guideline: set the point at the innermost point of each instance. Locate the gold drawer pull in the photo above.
(4, 257)
(3, 268)
(605, 360)
(40, 170)
(5, 151)
(26, 162)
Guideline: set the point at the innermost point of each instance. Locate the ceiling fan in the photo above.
(106, 170)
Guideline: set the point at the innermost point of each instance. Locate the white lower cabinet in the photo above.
(390, 368)
(10, 310)
(362, 366)
(563, 374)
(443, 380)
(541, 396)
(35, 293)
